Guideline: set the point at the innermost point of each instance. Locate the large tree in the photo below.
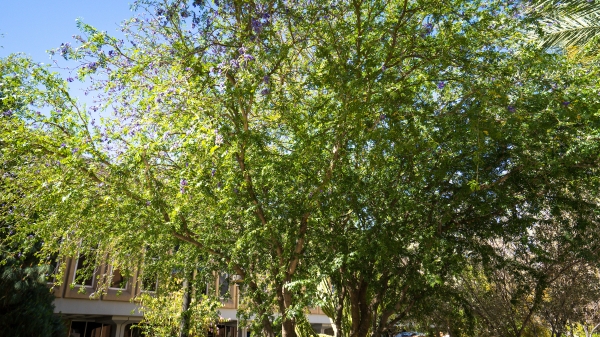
(26, 307)
(375, 142)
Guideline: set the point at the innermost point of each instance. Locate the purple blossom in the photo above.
(511, 108)
(264, 92)
(382, 117)
(257, 26)
(63, 145)
(78, 38)
(248, 57)
(75, 150)
(212, 172)
(234, 64)
(64, 49)
(267, 79)
(428, 28)
(7, 113)
(566, 103)
(218, 138)
(148, 203)
(183, 182)
(441, 85)
(111, 53)
(70, 79)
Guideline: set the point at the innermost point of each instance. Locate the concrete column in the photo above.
(119, 330)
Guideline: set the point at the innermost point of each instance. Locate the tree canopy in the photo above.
(381, 146)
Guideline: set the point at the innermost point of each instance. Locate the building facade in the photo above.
(114, 314)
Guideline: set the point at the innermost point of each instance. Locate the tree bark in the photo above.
(284, 299)
(267, 327)
(360, 309)
(184, 324)
(339, 312)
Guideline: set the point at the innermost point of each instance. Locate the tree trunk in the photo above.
(184, 324)
(339, 312)
(360, 309)
(284, 299)
(267, 327)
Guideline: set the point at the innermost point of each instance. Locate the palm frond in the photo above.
(567, 31)
(565, 23)
(566, 8)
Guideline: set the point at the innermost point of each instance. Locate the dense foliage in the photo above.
(26, 307)
(389, 149)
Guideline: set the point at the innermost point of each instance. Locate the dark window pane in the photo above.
(89, 329)
(77, 329)
(118, 281)
(81, 264)
(223, 285)
(97, 330)
(133, 331)
(52, 262)
(149, 281)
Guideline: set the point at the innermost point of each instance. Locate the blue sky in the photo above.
(34, 26)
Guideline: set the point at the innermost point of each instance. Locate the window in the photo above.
(149, 281)
(204, 290)
(89, 329)
(224, 331)
(133, 330)
(53, 268)
(81, 277)
(149, 277)
(117, 280)
(223, 285)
